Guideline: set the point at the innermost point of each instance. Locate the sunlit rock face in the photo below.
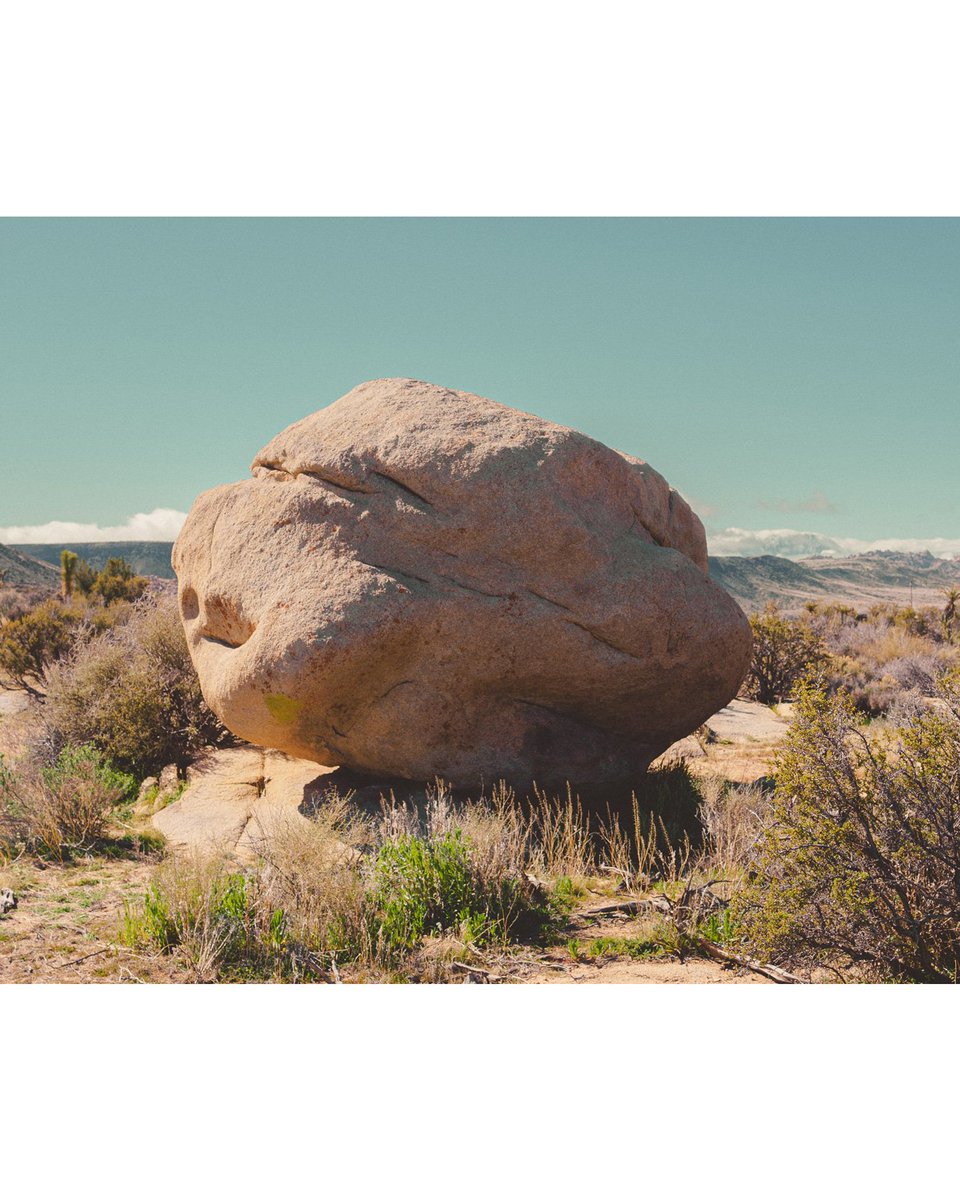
(418, 582)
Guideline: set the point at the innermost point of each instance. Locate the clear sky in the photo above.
(785, 375)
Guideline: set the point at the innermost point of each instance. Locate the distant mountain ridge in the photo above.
(890, 576)
(18, 569)
(146, 558)
(878, 576)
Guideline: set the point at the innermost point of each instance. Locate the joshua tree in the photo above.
(950, 610)
(68, 571)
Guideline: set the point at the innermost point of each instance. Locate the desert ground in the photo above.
(68, 916)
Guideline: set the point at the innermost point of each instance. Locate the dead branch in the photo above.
(465, 967)
(83, 957)
(660, 904)
(777, 974)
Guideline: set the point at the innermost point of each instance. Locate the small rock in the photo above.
(168, 777)
(151, 781)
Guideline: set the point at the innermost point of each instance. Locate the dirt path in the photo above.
(692, 970)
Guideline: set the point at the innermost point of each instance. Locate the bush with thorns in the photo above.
(859, 866)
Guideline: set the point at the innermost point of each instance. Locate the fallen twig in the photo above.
(130, 973)
(661, 904)
(460, 966)
(83, 958)
(777, 974)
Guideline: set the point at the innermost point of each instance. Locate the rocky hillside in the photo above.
(146, 558)
(18, 569)
(860, 580)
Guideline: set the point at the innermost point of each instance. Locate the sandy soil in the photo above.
(558, 966)
(745, 736)
(65, 926)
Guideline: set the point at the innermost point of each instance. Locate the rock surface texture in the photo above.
(420, 582)
(236, 798)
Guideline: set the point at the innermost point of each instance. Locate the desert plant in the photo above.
(117, 581)
(884, 655)
(203, 910)
(133, 692)
(733, 817)
(16, 601)
(31, 642)
(860, 864)
(84, 577)
(422, 885)
(951, 612)
(348, 889)
(431, 884)
(68, 566)
(63, 808)
(784, 650)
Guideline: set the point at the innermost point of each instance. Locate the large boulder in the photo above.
(420, 582)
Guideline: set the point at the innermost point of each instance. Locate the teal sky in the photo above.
(798, 375)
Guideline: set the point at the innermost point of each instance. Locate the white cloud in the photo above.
(796, 543)
(161, 525)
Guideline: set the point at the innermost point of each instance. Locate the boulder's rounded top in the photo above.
(435, 442)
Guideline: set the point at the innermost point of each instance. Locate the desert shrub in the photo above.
(31, 642)
(117, 581)
(432, 885)
(423, 885)
(924, 623)
(63, 808)
(860, 863)
(878, 659)
(916, 672)
(16, 601)
(84, 577)
(133, 693)
(733, 817)
(202, 909)
(784, 650)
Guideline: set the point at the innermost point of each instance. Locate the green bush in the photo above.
(117, 581)
(423, 886)
(61, 809)
(31, 642)
(860, 864)
(784, 650)
(134, 694)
